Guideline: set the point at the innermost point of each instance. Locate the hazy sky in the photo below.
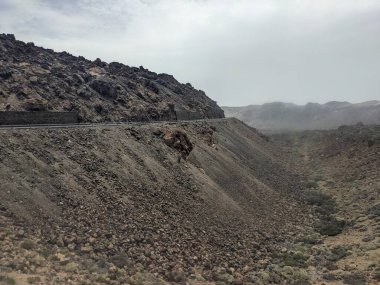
(238, 52)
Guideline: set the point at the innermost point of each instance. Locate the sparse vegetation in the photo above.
(71, 267)
(7, 280)
(326, 207)
(374, 211)
(330, 276)
(120, 260)
(45, 252)
(330, 226)
(27, 244)
(311, 238)
(376, 274)
(292, 259)
(33, 279)
(338, 252)
(311, 184)
(325, 203)
(318, 178)
(355, 278)
(300, 277)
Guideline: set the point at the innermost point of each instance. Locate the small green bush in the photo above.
(300, 277)
(330, 276)
(309, 239)
(311, 184)
(71, 267)
(318, 178)
(355, 278)
(330, 226)
(325, 203)
(292, 259)
(376, 275)
(7, 280)
(338, 252)
(28, 245)
(374, 211)
(316, 198)
(34, 280)
(120, 260)
(45, 252)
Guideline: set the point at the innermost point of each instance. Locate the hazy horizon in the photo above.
(286, 102)
(239, 52)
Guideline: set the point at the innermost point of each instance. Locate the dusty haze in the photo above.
(279, 116)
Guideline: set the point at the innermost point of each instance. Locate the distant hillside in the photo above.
(312, 116)
(33, 79)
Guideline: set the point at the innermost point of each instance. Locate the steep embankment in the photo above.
(210, 199)
(280, 116)
(33, 78)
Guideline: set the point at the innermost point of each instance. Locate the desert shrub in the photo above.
(318, 178)
(316, 198)
(71, 267)
(102, 278)
(330, 276)
(311, 184)
(338, 252)
(326, 207)
(34, 280)
(45, 252)
(292, 259)
(325, 203)
(330, 265)
(142, 278)
(355, 278)
(300, 277)
(374, 211)
(376, 274)
(330, 226)
(28, 245)
(350, 179)
(120, 260)
(120, 273)
(309, 238)
(7, 280)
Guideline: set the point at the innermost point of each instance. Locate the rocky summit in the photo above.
(36, 79)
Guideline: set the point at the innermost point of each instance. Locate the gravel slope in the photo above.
(170, 199)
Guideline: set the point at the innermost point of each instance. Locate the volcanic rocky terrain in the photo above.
(199, 203)
(173, 200)
(191, 202)
(37, 79)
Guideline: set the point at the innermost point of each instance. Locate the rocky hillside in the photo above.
(200, 201)
(33, 78)
(280, 116)
(344, 183)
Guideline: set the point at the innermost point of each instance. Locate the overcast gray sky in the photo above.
(238, 52)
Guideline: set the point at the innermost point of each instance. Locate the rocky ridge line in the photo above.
(35, 79)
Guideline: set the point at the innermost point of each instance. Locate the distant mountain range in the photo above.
(279, 116)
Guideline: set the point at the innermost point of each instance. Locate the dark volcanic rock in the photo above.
(179, 140)
(105, 88)
(70, 83)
